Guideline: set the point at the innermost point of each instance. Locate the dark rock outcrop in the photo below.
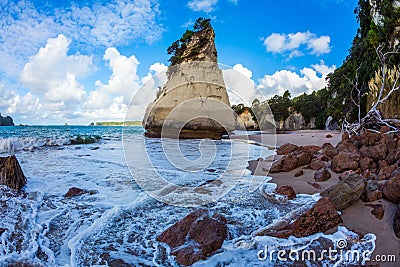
(6, 121)
(346, 192)
(321, 217)
(195, 237)
(11, 173)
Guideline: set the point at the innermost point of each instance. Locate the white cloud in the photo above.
(243, 70)
(241, 88)
(24, 28)
(320, 45)
(202, 5)
(309, 80)
(110, 101)
(12, 103)
(290, 44)
(323, 69)
(121, 86)
(53, 74)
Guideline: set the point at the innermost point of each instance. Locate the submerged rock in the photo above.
(195, 237)
(75, 191)
(346, 192)
(321, 217)
(194, 102)
(11, 173)
(287, 191)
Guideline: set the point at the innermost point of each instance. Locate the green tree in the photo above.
(280, 106)
(362, 59)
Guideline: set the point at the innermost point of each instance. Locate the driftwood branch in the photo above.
(373, 119)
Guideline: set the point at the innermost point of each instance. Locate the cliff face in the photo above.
(201, 47)
(6, 121)
(194, 102)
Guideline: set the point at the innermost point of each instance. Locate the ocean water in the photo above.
(140, 187)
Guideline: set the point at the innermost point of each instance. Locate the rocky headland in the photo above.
(6, 121)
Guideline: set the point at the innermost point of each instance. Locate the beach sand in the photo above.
(358, 217)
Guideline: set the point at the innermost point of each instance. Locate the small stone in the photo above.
(299, 173)
(322, 175)
(315, 185)
(74, 191)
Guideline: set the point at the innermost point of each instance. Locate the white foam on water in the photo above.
(121, 222)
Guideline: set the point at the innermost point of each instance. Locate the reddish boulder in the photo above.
(391, 189)
(345, 161)
(384, 129)
(286, 190)
(322, 175)
(375, 152)
(311, 148)
(367, 164)
(346, 192)
(328, 136)
(328, 150)
(382, 164)
(386, 172)
(317, 164)
(347, 147)
(321, 217)
(285, 164)
(11, 173)
(345, 137)
(370, 138)
(195, 237)
(286, 149)
(304, 156)
(374, 195)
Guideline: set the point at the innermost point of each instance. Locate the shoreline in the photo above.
(357, 217)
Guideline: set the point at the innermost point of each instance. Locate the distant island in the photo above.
(119, 123)
(6, 121)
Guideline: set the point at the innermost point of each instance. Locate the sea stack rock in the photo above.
(194, 102)
(6, 121)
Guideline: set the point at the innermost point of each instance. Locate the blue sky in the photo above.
(82, 61)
